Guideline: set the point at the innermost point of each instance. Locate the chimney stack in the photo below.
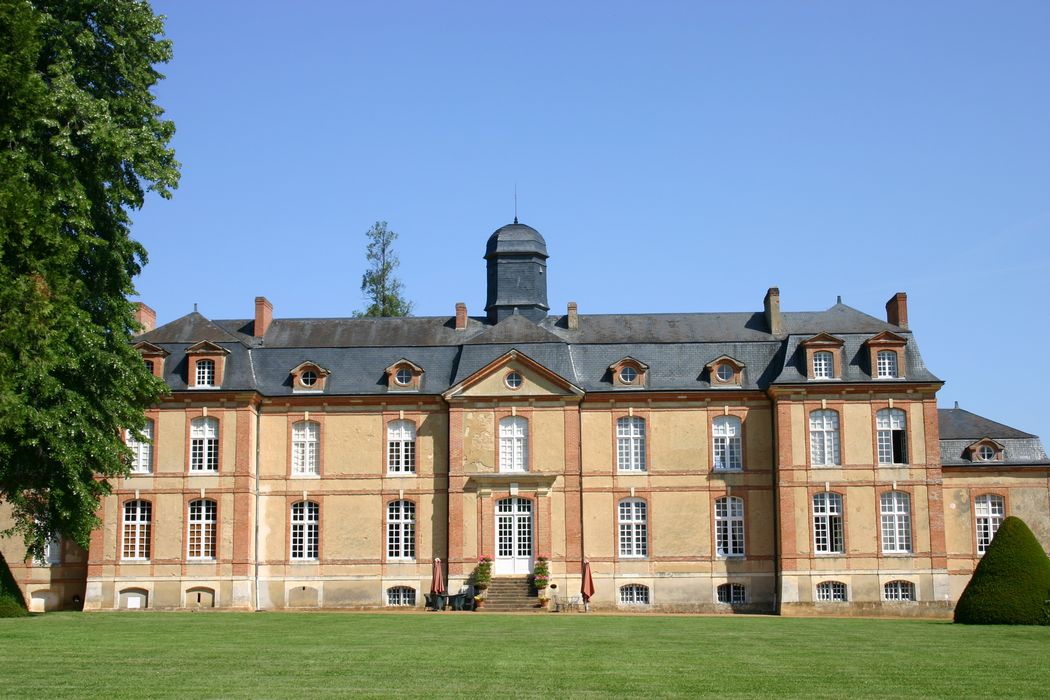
(145, 316)
(897, 310)
(461, 316)
(263, 316)
(572, 321)
(772, 308)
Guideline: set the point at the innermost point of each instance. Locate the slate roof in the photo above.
(961, 428)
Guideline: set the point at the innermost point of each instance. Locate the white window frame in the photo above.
(52, 552)
(886, 364)
(891, 425)
(832, 592)
(401, 596)
(141, 452)
(633, 518)
(823, 364)
(899, 591)
(829, 523)
(305, 531)
(989, 510)
(630, 444)
(634, 594)
(401, 530)
(513, 444)
(729, 527)
(201, 529)
(137, 524)
(895, 512)
(824, 440)
(401, 447)
(727, 442)
(205, 373)
(731, 593)
(306, 445)
(204, 445)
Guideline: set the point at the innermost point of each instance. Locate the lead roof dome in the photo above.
(516, 239)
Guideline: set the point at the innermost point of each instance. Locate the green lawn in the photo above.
(279, 655)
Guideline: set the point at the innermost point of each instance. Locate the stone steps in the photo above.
(510, 594)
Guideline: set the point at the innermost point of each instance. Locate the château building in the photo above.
(790, 462)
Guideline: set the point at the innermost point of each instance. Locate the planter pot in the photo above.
(478, 604)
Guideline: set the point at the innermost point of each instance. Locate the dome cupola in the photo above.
(517, 273)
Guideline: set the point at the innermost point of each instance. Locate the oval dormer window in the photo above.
(628, 375)
(724, 372)
(403, 376)
(308, 378)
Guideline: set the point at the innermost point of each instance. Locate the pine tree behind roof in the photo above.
(1011, 585)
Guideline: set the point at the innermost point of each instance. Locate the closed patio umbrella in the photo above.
(587, 587)
(437, 583)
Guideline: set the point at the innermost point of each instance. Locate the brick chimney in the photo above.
(772, 308)
(263, 316)
(145, 316)
(897, 310)
(572, 321)
(461, 316)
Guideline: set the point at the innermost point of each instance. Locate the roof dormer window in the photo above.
(725, 371)
(629, 373)
(153, 356)
(205, 373)
(206, 365)
(985, 450)
(887, 355)
(823, 356)
(309, 377)
(404, 375)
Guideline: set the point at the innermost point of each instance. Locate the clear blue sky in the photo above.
(676, 156)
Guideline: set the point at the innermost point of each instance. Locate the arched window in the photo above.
(634, 594)
(205, 373)
(401, 530)
(892, 437)
(149, 366)
(886, 364)
(401, 447)
(989, 509)
(898, 590)
(138, 517)
(732, 593)
(141, 452)
(634, 531)
(630, 444)
(823, 365)
(895, 508)
(726, 432)
(305, 525)
(201, 534)
(204, 445)
(831, 591)
(401, 596)
(513, 444)
(305, 441)
(828, 523)
(729, 526)
(824, 438)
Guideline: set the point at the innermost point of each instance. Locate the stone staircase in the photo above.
(510, 594)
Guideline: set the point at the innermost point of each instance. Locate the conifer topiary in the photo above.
(11, 602)
(1011, 585)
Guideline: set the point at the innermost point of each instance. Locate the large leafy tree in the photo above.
(382, 288)
(81, 142)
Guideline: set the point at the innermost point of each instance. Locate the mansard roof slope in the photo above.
(960, 429)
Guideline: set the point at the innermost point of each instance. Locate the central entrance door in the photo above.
(513, 536)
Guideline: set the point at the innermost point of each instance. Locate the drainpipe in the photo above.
(258, 436)
(777, 515)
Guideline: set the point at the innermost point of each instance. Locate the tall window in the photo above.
(305, 517)
(141, 452)
(990, 511)
(634, 534)
(892, 437)
(732, 593)
(401, 530)
(401, 447)
(513, 444)
(726, 431)
(831, 591)
(137, 520)
(204, 445)
(201, 537)
(729, 527)
(886, 364)
(401, 596)
(305, 440)
(630, 444)
(823, 365)
(824, 438)
(898, 590)
(205, 372)
(52, 552)
(828, 523)
(896, 521)
(634, 594)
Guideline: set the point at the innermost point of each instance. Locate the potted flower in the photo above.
(482, 573)
(479, 601)
(541, 576)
